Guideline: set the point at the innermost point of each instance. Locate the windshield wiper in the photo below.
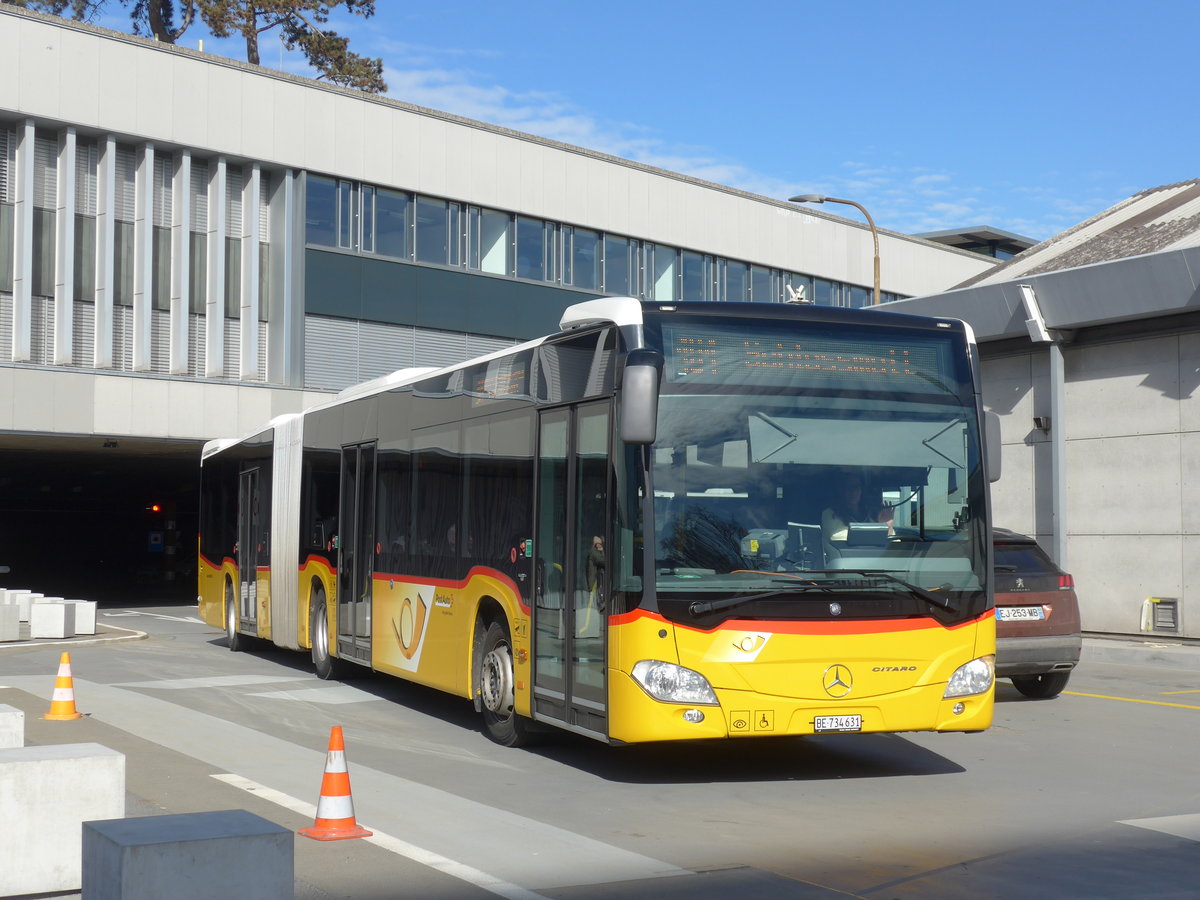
(920, 592)
(701, 607)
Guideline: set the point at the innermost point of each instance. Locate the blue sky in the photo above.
(1029, 117)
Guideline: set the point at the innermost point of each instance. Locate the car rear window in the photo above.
(1021, 568)
(1023, 559)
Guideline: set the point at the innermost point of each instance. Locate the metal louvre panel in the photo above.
(196, 345)
(262, 352)
(45, 172)
(233, 201)
(481, 345)
(83, 334)
(231, 368)
(163, 164)
(439, 348)
(330, 353)
(85, 178)
(8, 150)
(264, 206)
(383, 349)
(123, 201)
(41, 338)
(199, 195)
(160, 341)
(6, 327)
(122, 345)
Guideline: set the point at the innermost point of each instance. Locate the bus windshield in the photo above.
(800, 460)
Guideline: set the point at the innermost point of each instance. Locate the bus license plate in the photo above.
(837, 723)
(1014, 613)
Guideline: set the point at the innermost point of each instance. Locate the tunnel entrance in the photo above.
(95, 519)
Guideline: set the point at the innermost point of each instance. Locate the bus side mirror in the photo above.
(991, 445)
(639, 396)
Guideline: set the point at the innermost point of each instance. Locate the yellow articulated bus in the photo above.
(664, 522)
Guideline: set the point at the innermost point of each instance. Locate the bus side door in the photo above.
(570, 619)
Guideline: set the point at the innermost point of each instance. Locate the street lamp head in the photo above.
(808, 198)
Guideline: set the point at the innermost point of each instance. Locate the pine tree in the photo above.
(301, 25)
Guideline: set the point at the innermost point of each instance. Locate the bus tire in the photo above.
(318, 632)
(501, 723)
(236, 641)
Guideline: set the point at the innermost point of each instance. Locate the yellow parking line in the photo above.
(1131, 700)
(1192, 691)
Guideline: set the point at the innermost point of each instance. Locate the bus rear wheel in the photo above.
(318, 630)
(500, 720)
(236, 641)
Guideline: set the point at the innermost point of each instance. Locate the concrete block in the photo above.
(12, 727)
(229, 853)
(10, 622)
(52, 620)
(23, 600)
(85, 616)
(49, 792)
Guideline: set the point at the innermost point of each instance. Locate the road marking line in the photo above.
(191, 620)
(1131, 700)
(213, 681)
(402, 848)
(1192, 691)
(334, 694)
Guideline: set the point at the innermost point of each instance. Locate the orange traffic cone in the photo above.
(62, 704)
(335, 808)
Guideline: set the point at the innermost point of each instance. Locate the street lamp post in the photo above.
(822, 198)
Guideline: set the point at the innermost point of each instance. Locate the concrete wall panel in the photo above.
(116, 110)
(1113, 577)
(1123, 388)
(11, 52)
(114, 402)
(1124, 486)
(258, 114)
(153, 79)
(80, 72)
(189, 97)
(8, 380)
(225, 87)
(150, 398)
(349, 136)
(1189, 486)
(74, 403)
(1189, 381)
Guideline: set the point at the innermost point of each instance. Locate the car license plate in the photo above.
(1016, 613)
(837, 723)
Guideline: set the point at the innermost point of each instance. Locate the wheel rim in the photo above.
(320, 637)
(230, 615)
(496, 681)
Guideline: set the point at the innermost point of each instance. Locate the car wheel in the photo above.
(1041, 687)
(500, 720)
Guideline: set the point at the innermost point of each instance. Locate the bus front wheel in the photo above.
(500, 720)
(231, 619)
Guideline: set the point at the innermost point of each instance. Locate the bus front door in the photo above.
(250, 541)
(570, 620)
(356, 552)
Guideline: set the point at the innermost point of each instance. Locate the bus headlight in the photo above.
(973, 678)
(673, 684)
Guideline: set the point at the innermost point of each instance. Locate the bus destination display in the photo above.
(700, 354)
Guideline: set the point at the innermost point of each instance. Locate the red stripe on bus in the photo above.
(476, 571)
(850, 626)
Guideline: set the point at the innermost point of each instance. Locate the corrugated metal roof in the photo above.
(1161, 218)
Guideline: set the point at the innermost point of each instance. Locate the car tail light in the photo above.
(1065, 582)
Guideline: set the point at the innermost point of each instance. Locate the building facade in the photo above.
(1090, 346)
(190, 245)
